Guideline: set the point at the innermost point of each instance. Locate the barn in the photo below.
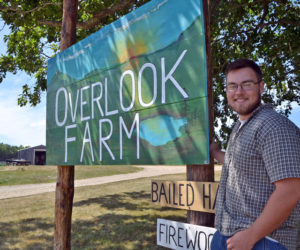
(36, 155)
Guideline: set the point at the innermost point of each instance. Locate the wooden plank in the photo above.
(196, 196)
(176, 235)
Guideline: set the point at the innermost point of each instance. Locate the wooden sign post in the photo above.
(204, 172)
(65, 174)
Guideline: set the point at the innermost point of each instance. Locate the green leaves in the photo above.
(266, 32)
(8, 151)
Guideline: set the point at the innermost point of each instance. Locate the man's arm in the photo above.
(216, 152)
(279, 206)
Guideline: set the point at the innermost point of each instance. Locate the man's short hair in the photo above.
(244, 63)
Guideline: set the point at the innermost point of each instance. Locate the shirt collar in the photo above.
(254, 113)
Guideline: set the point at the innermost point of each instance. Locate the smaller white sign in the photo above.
(176, 235)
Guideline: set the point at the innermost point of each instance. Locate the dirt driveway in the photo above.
(31, 189)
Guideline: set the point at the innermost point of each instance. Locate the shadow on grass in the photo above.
(116, 232)
(128, 222)
(12, 234)
(122, 200)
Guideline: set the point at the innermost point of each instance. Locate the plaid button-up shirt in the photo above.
(264, 150)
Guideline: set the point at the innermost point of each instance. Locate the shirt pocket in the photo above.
(246, 156)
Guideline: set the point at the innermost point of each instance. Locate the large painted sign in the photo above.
(176, 235)
(189, 195)
(134, 92)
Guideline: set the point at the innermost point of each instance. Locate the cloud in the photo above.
(20, 125)
(41, 123)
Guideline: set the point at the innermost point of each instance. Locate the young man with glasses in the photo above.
(257, 204)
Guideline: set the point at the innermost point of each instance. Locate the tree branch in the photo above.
(50, 23)
(2, 28)
(212, 9)
(46, 55)
(251, 30)
(262, 20)
(282, 21)
(19, 11)
(99, 16)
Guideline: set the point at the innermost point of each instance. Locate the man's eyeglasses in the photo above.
(247, 85)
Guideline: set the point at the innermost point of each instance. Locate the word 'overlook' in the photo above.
(86, 95)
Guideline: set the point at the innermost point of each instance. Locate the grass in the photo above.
(111, 216)
(17, 175)
(117, 215)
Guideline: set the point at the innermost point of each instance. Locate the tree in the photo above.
(266, 31)
(7, 151)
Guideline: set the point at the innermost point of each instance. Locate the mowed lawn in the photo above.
(118, 215)
(17, 175)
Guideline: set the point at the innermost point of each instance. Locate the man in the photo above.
(257, 204)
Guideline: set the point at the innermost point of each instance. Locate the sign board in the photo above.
(176, 235)
(132, 93)
(196, 196)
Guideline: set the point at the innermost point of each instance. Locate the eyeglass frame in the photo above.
(236, 86)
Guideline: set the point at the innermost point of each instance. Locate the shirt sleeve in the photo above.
(281, 152)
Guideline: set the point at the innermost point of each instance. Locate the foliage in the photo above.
(263, 30)
(8, 151)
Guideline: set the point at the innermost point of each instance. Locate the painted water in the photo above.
(161, 129)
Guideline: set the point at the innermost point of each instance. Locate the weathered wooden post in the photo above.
(65, 174)
(204, 172)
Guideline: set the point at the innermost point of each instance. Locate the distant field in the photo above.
(17, 175)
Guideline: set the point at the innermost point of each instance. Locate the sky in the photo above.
(27, 125)
(19, 125)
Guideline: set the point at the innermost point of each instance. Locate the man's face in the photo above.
(240, 100)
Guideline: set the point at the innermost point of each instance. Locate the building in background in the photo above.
(35, 155)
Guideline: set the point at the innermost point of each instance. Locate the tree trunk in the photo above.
(204, 172)
(65, 174)
(68, 30)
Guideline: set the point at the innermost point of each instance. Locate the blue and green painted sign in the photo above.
(134, 92)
